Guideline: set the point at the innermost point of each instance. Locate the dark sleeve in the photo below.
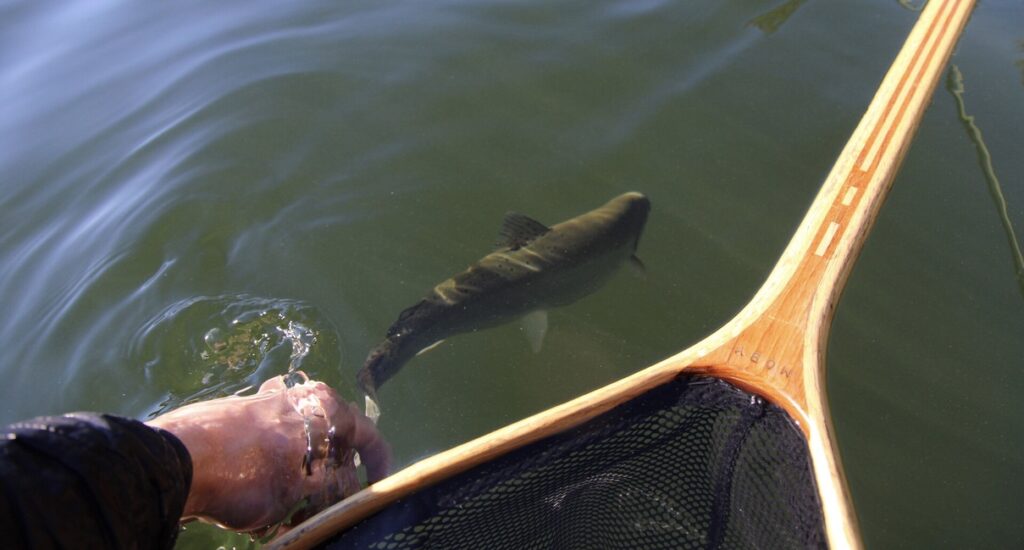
(87, 480)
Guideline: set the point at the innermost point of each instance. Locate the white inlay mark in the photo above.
(908, 88)
(848, 198)
(830, 233)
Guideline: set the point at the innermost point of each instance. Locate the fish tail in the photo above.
(371, 409)
(366, 383)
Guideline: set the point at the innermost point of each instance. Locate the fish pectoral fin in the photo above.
(535, 326)
(428, 348)
(518, 231)
(637, 267)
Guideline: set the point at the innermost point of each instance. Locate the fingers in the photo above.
(355, 431)
(373, 450)
(281, 382)
(351, 430)
(275, 383)
(331, 431)
(328, 487)
(325, 415)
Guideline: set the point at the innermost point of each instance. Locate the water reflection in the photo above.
(955, 85)
(771, 20)
(910, 5)
(1020, 62)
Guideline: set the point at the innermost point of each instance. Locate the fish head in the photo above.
(628, 213)
(612, 229)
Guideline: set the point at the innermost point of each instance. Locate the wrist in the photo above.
(192, 435)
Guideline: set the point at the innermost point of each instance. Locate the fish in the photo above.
(535, 268)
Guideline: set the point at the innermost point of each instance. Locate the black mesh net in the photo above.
(696, 463)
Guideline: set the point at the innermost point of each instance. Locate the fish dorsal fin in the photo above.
(517, 230)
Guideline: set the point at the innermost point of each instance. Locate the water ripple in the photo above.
(207, 347)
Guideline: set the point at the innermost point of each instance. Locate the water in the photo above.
(312, 170)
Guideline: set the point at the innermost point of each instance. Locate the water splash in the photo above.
(324, 454)
(308, 407)
(210, 347)
(302, 340)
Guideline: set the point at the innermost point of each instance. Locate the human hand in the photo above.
(249, 454)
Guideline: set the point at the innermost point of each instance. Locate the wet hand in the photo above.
(254, 458)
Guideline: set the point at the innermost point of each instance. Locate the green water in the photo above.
(310, 170)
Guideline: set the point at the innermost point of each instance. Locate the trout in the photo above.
(535, 268)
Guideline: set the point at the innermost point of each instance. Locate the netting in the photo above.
(696, 463)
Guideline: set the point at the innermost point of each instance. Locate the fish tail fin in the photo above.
(365, 381)
(372, 409)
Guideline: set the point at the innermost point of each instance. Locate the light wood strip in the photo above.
(851, 193)
(826, 239)
(775, 346)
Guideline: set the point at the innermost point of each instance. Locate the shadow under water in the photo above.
(1020, 62)
(771, 20)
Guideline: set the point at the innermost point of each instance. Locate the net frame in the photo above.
(695, 463)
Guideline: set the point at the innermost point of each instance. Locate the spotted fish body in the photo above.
(535, 268)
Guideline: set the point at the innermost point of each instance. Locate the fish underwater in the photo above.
(534, 269)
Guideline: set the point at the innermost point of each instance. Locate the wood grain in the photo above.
(775, 346)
